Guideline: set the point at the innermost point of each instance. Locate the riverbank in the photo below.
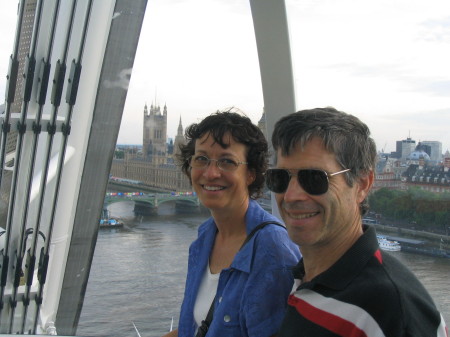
(418, 241)
(410, 232)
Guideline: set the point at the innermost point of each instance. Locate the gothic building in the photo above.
(157, 167)
(154, 143)
(179, 139)
(262, 123)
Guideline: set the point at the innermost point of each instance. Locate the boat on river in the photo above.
(388, 245)
(110, 223)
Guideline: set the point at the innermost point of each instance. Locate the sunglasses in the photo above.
(314, 182)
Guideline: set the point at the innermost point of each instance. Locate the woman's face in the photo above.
(217, 189)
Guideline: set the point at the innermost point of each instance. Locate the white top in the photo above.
(205, 296)
(297, 283)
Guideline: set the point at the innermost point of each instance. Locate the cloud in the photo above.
(421, 117)
(435, 30)
(404, 74)
(434, 87)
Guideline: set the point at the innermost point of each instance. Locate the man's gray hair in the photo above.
(344, 135)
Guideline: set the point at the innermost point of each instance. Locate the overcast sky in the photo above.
(387, 62)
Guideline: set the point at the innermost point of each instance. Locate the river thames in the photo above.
(138, 274)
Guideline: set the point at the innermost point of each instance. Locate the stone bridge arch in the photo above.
(149, 203)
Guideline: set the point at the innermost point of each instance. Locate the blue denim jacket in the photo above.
(252, 294)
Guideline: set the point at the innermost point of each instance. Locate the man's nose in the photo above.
(294, 191)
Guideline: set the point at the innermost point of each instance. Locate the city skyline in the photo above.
(385, 62)
(417, 146)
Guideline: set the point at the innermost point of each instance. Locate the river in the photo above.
(138, 274)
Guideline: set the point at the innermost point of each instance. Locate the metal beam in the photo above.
(112, 90)
(275, 63)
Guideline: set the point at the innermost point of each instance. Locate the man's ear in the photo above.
(365, 183)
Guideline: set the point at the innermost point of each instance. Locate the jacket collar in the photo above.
(254, 216)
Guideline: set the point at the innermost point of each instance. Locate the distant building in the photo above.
(417, 170)
(170, 146)
(429, 178)
(155, 168)
(419, 156)
(159, 176)
(446, 160)
(154, 144)
(179, 140)
(388, 174)
(404, 148)
(434, 150)
(262, 123)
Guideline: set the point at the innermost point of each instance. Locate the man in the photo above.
(345, 286)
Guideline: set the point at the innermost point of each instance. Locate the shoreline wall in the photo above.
(432, 238)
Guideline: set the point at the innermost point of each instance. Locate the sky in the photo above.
(387, 62)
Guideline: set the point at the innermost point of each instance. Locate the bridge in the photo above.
(148, 203)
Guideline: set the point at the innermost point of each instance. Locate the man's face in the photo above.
(330, 218)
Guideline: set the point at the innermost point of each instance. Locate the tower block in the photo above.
(154, 142)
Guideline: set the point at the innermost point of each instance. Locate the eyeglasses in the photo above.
(225, 164)
(314, 182)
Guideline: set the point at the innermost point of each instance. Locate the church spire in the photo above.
(145, 109)
(180, 128)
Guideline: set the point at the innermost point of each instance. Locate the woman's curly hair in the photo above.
(242, 130)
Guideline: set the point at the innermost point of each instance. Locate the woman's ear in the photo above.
(251, 176)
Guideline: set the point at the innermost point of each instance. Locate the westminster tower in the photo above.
(155, 134)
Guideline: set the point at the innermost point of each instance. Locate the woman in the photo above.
(224, 158)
